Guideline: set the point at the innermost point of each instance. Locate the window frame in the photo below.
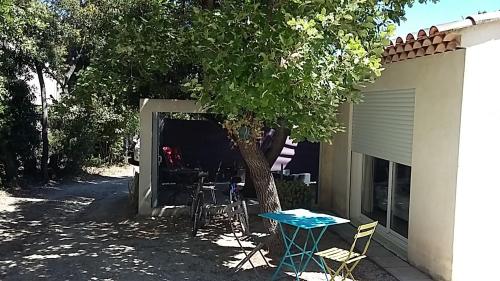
(386, 231)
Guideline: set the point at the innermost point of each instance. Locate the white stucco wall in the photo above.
(479, 34)
(334, 170)
(478, 187)
(438, 82)
(147, 180)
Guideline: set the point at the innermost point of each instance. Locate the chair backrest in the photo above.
(364, 231)
(233, 209)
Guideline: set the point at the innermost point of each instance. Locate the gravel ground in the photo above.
(86, 231)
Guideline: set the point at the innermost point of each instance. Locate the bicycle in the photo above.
(235, 196)
(198, 209)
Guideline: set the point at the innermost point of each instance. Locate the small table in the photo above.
(306, 220)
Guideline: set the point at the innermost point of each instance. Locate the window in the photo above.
(386, 194)
(400, 209)
(375, 188)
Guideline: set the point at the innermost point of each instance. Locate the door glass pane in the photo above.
(401, 199)
(375, 187)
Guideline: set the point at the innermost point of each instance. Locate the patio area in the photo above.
(84, 231)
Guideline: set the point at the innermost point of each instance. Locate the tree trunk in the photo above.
(272, 153)
(263, 180)
(45, 117)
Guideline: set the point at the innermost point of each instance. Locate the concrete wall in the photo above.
(478, 187)
(147, 180)
(438, 82)
(334, 174)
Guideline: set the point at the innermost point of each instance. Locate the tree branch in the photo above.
(278, 142)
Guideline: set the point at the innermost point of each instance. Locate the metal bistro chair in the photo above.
(235, 211)
(348, 259)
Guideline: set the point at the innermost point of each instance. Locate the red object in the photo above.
(172, 155)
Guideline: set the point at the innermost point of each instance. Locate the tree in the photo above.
(286, 64)
(134, 53)
(52, 39)
(27, 35)
(19, 137)
(140, 52)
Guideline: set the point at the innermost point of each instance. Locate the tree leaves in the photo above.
(295, 61)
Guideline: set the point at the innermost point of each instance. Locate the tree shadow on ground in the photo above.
(85, 231)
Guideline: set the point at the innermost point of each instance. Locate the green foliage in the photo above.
(19, 137)
(139, 54)
(293, 194)
(28, 31)
(274, 63)
(290, 63)
(60, 36)
(88, 134)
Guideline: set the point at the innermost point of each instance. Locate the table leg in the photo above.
(314, 249)
(288, 256)
(304, 251)
(288, 245)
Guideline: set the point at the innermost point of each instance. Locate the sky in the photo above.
(426, 15)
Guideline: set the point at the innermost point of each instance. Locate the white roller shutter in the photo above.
(382, 125)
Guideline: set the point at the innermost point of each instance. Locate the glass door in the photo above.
(386, 195)
(400, 200)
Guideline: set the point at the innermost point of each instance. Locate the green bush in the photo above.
(19, 136)
(88, 134)
(293, 194)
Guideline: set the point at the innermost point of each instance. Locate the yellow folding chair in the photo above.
(348, 259)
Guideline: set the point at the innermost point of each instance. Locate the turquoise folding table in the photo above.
(296, 256)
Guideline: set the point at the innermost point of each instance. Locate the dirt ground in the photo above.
(85, 230)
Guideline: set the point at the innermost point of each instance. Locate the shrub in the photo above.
(88, 134)
(19, 136)
(293, 194)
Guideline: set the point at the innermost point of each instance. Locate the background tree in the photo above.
(28, 33)
(287, 64)
(140, 52)
(51, 38)
(19, 136)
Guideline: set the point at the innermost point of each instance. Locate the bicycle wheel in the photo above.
(244, 219)
(199, 215)
(192, 207)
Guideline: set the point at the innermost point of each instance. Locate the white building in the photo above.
(420, 153)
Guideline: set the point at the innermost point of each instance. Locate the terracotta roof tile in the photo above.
(430, 50)
(441, 48)
(433, 30)
(392, 50)
(452, 45)
(437, 40)
(422, 34)
(420, 52)
(410, 38)
(426, 42)
(424, 45)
